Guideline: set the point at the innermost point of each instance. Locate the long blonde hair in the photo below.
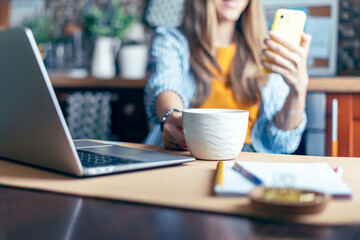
(246, 73)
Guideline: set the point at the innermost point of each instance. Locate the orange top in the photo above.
(222, 96)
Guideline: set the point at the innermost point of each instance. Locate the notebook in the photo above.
(318, 176)
(33, 129)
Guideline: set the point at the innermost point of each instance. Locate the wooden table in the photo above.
(26, 214)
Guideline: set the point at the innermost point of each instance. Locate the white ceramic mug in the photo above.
(215, 134)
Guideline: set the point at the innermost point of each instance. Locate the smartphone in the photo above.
(290, 25)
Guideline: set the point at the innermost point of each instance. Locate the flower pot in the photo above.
(103, 60)
(133, 60)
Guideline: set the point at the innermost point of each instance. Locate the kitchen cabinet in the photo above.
(347, 91)
(315, 133)
(128, 120)
(348, 124)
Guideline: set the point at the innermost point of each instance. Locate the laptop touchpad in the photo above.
(135, 154)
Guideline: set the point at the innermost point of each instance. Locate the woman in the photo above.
(217, 60)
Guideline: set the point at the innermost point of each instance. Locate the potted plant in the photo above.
(41, 28)
(133, 54)
(107, 25)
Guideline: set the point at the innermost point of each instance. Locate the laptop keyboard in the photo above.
(91, 159)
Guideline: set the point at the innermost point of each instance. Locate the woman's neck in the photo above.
(225, 33)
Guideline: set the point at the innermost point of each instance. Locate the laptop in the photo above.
(33, 129)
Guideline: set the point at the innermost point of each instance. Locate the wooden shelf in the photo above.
(63, 81)
(338, 84)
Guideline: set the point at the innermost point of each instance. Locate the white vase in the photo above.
(133, 60)
(103, 61)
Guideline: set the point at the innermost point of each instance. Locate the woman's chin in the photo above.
(229, 16)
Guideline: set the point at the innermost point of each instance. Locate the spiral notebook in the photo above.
(318, 176)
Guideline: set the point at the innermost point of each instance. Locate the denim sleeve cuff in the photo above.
(150, 100)
(278, 140)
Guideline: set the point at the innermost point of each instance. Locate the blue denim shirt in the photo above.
(169, 68)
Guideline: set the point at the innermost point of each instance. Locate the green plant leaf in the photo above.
(41, 28)
(108, 22)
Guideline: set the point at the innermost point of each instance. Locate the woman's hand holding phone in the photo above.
(288, 59)
(287, 48)
(286, 53)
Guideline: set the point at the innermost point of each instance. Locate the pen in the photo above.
(219, 176)
(247, 174)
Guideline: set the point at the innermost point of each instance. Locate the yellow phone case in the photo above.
(290, 25)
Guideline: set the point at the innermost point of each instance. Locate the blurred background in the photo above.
(67, 23)
(96, 54)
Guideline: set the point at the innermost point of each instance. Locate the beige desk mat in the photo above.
(187, 186)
